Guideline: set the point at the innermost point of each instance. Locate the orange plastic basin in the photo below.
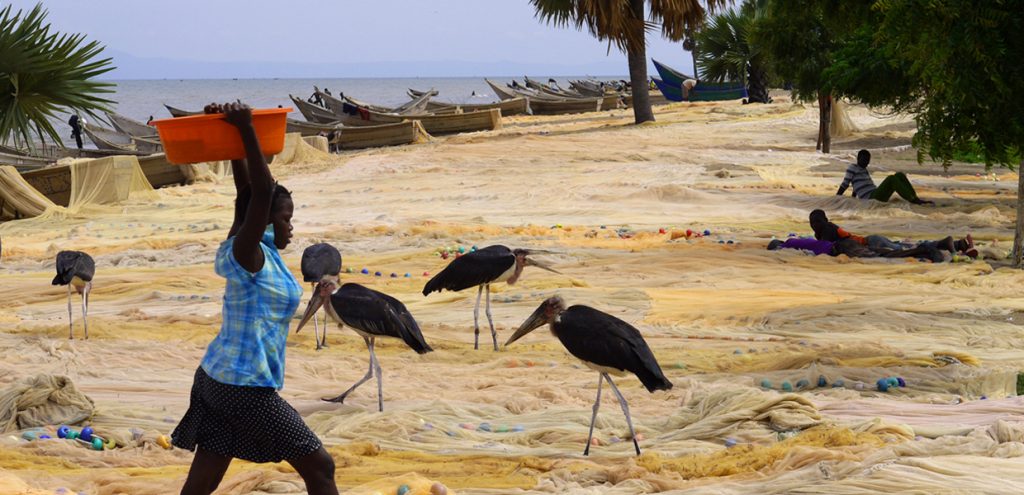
(209, 138)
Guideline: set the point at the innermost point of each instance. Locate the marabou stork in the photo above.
(371, 314)
(481, 268)
(76, 269)
(605, 344)
(320, 262)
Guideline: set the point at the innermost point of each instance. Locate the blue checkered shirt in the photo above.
(249, 350)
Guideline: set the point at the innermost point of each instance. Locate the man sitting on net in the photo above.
(864, 188)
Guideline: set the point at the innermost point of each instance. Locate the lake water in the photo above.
(140, 99)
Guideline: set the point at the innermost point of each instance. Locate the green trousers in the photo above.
(896, 183)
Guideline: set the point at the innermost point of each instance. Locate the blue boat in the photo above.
(671, 85)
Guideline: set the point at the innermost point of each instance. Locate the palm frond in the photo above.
(44, 74)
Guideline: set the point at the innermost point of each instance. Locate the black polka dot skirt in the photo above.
(251, 423)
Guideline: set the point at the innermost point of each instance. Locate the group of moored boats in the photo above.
(349, 123)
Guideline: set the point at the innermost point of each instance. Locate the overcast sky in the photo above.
(364, 38)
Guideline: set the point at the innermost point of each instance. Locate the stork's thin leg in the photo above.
(85, 310)
(369, 374)
(316, 328)
(71, 322)
(494, 334)
(476, 319)
(323, 335)
(625, 410)
(593, 417)
(380, 378)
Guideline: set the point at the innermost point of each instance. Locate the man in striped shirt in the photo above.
(858, 176)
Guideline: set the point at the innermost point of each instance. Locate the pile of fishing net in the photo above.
(43, 400)
(91, 185)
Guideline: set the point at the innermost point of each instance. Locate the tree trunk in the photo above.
(757, 84)
(824, 122)
(1018, 237)
(637, 55)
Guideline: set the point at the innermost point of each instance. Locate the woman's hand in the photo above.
(237, 114)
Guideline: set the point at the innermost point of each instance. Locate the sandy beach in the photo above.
(720, 312)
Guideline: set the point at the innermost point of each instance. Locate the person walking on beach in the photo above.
(76, 128)
(858, 176)
(234, 408)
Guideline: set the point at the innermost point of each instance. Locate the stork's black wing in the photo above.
(71, 264)
(319, 260)
(379, 314)
(472, 269)
(605, 340)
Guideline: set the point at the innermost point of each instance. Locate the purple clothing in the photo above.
(813, 245)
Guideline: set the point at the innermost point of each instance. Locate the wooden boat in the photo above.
(655, 96)
(703, 91)
(562, 107)
(313, 113)
(23, 163)
(374, 136)
(177, 112)
(107, 139)
(501, 92)
(130, 126)
(515, 106)
(162, 173)
(670, 76)
(416, 94)
(53, 182)
(309, 128)
(417, 106)
(484, 120)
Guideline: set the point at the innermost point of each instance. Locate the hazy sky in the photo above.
(341, 34)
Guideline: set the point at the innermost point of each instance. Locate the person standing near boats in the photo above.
(234, 408)
(76, 124)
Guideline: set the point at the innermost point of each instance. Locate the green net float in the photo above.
(71, 435)
(97, 443)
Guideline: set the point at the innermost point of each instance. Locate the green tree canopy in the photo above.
(43, 74)
(953, 64)
(727, 53)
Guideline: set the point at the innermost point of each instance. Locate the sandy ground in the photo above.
(721, 314)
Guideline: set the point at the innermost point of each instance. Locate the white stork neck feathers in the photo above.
(511, 276)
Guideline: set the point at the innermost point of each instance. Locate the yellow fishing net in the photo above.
(722, 319)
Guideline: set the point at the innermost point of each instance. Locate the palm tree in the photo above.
(728, 55)
(623, 23)
(43, 74)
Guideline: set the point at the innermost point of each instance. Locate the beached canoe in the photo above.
(131, 127)
(162, 173)
(562, 107)
(500, 91)
(514, 106)
(177, 112)
(417, 106)
(23, 163)
(484, 120)
(309, 128)
(53, 182)
(655, 96)
(313, 113)
(703, 91)
(108, 139)
(375, 136)
(670, 76)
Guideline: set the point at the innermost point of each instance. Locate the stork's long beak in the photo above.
(542, 265)
(537, 319)
(314, 305)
